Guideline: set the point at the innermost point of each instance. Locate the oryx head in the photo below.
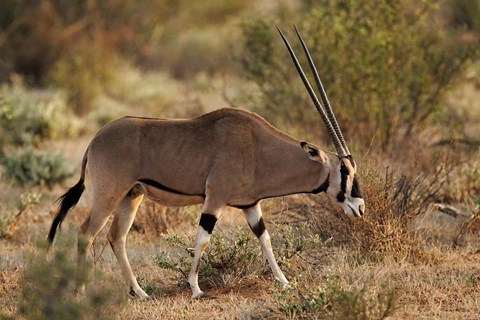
(342, 184)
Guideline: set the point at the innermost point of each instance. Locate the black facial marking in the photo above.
(343, 183)
(323, 187)
(259, 228)
(356, 189)
(344, 169)
(207, 221)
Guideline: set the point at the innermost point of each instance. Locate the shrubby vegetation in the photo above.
(79, 46)
(233, 254)
(332, 300)
(236, 253)
(27, 120)
(11, 215)
(48, 291)
(31, 167)
(386, 65)
(29, 117)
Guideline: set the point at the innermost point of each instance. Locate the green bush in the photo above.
(386, 66)
(332, 300)
(48, 291)
(11, 216)
(31, 167)
(93, 70)
(466, 14)
(29, 117)
(235, 253)
(37, 35)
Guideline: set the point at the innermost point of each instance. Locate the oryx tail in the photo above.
(68, 201)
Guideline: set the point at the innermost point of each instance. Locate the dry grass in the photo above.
(397, 252)
(428, 281)
(402, 259)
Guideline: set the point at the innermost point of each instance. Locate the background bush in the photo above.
(77, 46)
(331, 299)
(385, 65)
(48, 291)
(32, 167)
(31, 117)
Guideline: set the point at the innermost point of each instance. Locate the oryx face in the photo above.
(343, 186)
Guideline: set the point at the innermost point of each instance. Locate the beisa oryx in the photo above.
(228, 157)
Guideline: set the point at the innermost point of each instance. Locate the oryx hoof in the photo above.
(201, 295)
(284, 283)
(80, 291)
(287, 286)
(141, 295)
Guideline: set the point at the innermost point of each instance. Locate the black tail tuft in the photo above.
(67, 202)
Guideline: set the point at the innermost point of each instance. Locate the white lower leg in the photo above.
(201, 242)
(118, 247)
(118, 236)
(255, 221)
(267, 250)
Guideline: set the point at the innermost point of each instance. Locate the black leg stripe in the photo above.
(207, 221)
(259, 228)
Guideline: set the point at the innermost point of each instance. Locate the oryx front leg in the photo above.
(208, 220)
(117, 237)
(255, 221)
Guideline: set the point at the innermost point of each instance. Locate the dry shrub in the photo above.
(392, 197)
(464, 182)
(94, 69)
(329, 298)
(154, 219)
(11, 216)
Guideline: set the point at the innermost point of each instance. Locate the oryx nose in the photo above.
(361, 209)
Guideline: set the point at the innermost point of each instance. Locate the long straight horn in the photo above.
(331, 131)
(323, 94)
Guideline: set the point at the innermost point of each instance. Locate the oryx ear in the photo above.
(313, 152)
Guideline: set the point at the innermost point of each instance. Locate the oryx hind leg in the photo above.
(117, 236)
(102, 207)
(255, 221)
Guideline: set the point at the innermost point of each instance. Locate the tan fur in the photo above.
(229, 150)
